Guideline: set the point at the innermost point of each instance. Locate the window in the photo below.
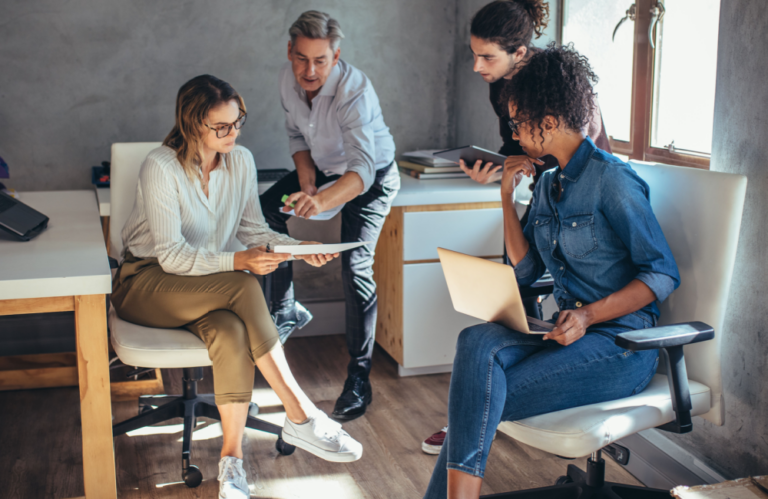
(656, 60)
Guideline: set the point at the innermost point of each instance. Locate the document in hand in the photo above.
(316, 249)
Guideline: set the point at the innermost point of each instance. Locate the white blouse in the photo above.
(189, 233)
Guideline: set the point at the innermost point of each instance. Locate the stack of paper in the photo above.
(424, 165)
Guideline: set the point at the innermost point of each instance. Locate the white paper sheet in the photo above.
(314, 249)
(326, 215)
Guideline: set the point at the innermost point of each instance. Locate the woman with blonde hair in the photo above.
(197, 196)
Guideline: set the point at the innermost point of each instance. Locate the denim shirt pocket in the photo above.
(578, 235)
(541, 232)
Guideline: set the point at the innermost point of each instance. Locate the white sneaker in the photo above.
(232, 482)
(321, 436)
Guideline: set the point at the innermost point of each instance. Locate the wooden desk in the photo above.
(66, 269)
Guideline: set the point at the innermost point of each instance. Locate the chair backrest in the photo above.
(700, 214)
(124, 176)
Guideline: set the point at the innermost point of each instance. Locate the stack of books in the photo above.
(424, 165)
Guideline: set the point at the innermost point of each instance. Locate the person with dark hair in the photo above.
(500, 39)
(592, 227)
(344, 157)
(196, 197)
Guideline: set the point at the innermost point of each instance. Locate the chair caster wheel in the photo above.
(192, 476)
(562, 480)
(284, 448)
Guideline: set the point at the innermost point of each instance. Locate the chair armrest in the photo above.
(665, 336)
(671, 340)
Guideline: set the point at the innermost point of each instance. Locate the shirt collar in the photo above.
(328, 88)
(578, 162)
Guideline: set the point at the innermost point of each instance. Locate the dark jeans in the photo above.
(361, 220)
(503, 375)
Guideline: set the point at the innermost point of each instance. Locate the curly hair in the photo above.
(554, 82)
(511, 24)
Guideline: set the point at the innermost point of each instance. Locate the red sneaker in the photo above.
(434, 444)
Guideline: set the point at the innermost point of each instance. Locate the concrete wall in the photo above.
(476, 123)
(78, 75)
(740, 447)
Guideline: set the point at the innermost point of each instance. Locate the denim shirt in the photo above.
(598, 237)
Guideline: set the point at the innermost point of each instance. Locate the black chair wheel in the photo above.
(284, 448)
(192, 476)
(562, 480)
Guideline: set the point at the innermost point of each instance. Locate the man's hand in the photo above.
(482, 174)
(317, 260)
(514, 169)
(305, 206)
(570, 326)
(258, 261)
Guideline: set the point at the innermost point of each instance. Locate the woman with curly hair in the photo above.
(591, 226)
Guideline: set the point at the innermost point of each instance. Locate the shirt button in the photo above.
(554, 242)
(561, 268)
(562, 176)
(537, 222)
(578, 304)
(574, 224)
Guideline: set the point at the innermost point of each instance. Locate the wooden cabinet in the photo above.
(416, 322)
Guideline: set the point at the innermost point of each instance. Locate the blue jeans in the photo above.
(502, 375)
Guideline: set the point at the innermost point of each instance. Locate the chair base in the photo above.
(190, 406)
(590, 484)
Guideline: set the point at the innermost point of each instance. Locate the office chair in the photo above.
(162, 348)
(700, 214)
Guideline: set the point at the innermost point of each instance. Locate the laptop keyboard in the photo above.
(537, 328)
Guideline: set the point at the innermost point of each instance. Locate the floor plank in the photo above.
(40, 435)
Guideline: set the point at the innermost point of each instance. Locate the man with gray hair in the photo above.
(344, 157)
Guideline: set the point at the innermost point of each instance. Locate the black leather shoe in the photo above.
(289, 319)
(354, 399)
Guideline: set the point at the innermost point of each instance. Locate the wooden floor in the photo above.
(40, 439)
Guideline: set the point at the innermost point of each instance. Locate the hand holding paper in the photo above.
(314, 249)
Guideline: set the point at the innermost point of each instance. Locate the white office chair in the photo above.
(700, 214)
(161, 348)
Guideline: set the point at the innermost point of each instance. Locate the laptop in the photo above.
(20, 220)
(487, 290)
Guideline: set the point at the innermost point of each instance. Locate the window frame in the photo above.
(641, 117)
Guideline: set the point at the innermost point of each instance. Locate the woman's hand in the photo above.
(258, 261)
(482, 174)
(514, 169)
(319, 259)
(570, 326)
(305, 206)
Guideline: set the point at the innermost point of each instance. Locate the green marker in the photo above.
(285, 198)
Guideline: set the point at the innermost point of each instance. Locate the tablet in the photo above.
(470, 154)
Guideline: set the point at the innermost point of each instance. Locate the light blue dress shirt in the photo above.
(345, 130)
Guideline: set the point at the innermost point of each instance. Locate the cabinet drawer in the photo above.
(430, 324)
(473, 232)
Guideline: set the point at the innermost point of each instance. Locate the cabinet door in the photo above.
(430, 324)
(472, 232)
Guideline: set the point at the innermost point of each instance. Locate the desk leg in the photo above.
(95, 403)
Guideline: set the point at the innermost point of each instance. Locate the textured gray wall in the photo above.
(476, 123)
(740, 447)
(78, 75)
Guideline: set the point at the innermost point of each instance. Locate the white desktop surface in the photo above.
(68, 258)
(415, 192)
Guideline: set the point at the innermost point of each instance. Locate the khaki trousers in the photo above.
(226, 310)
